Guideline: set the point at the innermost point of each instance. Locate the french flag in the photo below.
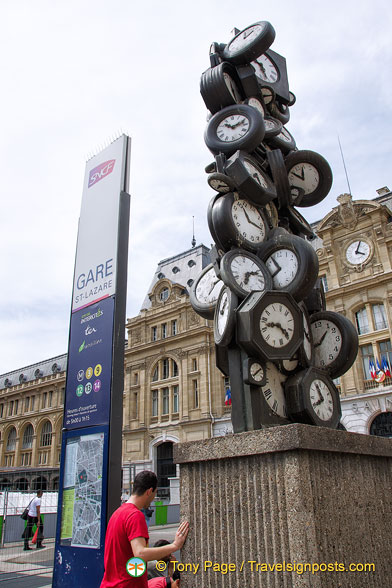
(385, 367)
(372, 369)
(228, 397)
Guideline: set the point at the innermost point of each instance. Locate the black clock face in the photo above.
(292, 263)
(220, 182)
(311, 173)
(204, 292)
(250, 180)
(237, 222)
(270, 324)
(249, 43)
(244, 272)
(254, 371)
(224, 318)
(233, 128)
(335, 342)
(313, 398)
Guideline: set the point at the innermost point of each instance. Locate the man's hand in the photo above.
(181, 535)
(175, 583)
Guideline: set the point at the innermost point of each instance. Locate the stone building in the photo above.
(173, 392)
(360, 287)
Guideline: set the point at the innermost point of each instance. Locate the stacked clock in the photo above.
(274, 337)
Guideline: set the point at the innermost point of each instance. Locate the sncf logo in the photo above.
(100, 172)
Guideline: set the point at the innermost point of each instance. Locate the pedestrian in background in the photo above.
(34, 517)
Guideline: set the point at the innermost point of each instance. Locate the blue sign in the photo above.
(89, 373)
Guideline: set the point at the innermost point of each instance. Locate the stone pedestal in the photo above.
(287, 495)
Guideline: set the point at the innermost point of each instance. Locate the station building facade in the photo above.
(173, 391)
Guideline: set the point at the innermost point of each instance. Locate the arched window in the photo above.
(11, 441)
(46, 434)
(382, 425)
(27, 442)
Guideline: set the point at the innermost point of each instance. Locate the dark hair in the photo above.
(39, 492)
(143, 481)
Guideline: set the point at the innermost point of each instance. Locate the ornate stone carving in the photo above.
(346, 212)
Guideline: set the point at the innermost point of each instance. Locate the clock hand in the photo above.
(222, 310)
(279, 326)
(300, 176)
(357, 250)
(321, 340)
(213, 286)
(278, 268)
(321, 397)
(306, 335)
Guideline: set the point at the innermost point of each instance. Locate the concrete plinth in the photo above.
(287, 495)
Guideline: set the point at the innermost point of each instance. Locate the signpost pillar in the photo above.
(92, 428)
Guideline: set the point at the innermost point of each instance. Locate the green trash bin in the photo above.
(160, 513)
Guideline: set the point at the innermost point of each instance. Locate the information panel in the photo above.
(82, 491)
(89, 374)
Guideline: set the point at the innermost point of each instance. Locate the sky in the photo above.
(75, 74)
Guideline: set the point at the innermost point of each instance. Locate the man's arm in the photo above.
(140, 549)
(39, 513)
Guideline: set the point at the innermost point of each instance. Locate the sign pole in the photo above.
(90, 466)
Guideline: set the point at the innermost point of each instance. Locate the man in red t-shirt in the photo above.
(127, 536)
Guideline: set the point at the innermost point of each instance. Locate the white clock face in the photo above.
(277, 325)
(321, 399)
(232, 128)
(219, 185)
(255, 173)
(358, 252)
(247, 274)
(257, 371)
(248, 221)
(305, 176)
(232, 87)
(327, 342)
(290, 364)
(283, 267)
(244, 38)
(285, 136)
(256, 104)
(208, 288)
(268, 95)
(265, 69)
(223, 313)
(273, 390)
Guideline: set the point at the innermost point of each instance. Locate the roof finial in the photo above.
(193, 238)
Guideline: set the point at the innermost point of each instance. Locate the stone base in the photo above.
(287, 495)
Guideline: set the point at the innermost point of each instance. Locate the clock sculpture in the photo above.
(274, 338)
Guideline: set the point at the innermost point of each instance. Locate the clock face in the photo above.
(248, 220)
(305, 176)
(256, 104)
(255, 173)
(290, 365)
(246, 37)
(257, 371)
(285, 136)
(208, 288)
(222, 313)
(283, 267)
(327, 342)
(265, 69)
(276, 325)
(321, 399)
(220, 182)
(232, 87)
(247, 273)
(358, 252)
(273, 390)
(232, 128)
(268, 95)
